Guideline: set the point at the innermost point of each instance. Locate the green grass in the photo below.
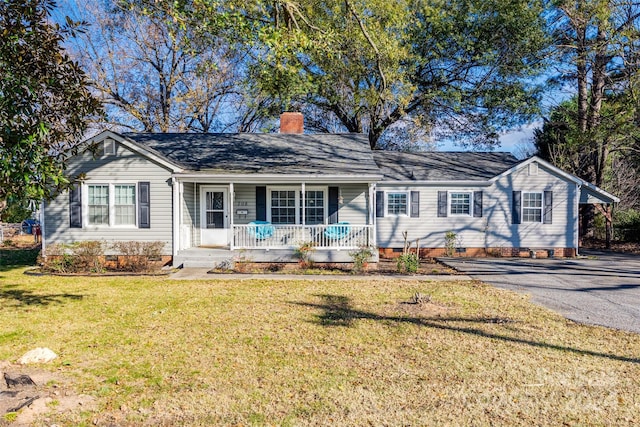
(163, 352)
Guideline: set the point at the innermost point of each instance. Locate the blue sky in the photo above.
(512, 141)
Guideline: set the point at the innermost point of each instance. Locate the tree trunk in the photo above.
(607, 212)
(583, 84)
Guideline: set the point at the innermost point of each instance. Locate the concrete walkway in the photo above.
(202, 274)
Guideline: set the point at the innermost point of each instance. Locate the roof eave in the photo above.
(243, 178)
(473, 183)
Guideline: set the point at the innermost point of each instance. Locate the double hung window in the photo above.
(286, 206)
(314, 207)
(531, 207)
(397, 203)
(283, 206)
(125, 204)
(98, 204)
(460, 203)
(111, 204)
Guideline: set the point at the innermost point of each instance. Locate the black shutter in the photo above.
(333, 204)
(75, 206)
(516, 207)
(379, 204)
(548, 207)
(477, 204)
(415, 204)
(144, 204)
(261, 203)
(442, 203)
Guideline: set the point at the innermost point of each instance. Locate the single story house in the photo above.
(216, 197)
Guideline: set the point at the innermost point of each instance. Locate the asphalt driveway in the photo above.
(600, 289)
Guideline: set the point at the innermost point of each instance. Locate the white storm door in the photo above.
(214, 217)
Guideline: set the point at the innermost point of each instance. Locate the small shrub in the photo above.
(88, 256)
(275, 267)
(78, 257)
(8, 242)
(450, 243)
(408, 263)
(225, 265)
(241, 262)
(54, 260)
(361, 258)
(303, 252)
(138, 256)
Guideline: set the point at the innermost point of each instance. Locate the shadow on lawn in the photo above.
(14, 258)
(24, 297)
(337, 311)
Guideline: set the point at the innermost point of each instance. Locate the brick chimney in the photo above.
(291, 123)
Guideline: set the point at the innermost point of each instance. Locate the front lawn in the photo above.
(160, 352)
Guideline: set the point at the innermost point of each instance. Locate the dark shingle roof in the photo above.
(317, 154)
(442, 166)
(330, 154)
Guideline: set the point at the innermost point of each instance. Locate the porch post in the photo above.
(176, 216)
(372, 216)
(231, 202)
(302, 202)
(181, 216)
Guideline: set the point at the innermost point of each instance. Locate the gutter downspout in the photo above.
(231, 211)
(372, 218)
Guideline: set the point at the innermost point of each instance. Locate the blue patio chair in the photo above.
(337, 231)
(261, 229)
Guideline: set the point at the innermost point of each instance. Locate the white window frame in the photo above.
(112, 205)
(135, 204)
(541, 208)
(450, 193)
(298, 201)
(386, 203)
(325, 204)
(85, 204)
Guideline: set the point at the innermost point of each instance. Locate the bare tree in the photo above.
(154, 76)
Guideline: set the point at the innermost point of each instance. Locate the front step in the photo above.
(202, 259)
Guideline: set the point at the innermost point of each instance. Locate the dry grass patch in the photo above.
(160, 352)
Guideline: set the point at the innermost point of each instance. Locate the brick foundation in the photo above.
(390, 253)
(246, 267)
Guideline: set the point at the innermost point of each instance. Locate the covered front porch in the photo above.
(270, 221)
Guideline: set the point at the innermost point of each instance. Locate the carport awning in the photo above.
(591, 195)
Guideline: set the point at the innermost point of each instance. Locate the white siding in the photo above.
(355, 202)
(245, 198)
(494, 229)
(124, 167)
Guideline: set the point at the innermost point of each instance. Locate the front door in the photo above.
(215, 216)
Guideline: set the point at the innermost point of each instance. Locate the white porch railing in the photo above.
(333, 236)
